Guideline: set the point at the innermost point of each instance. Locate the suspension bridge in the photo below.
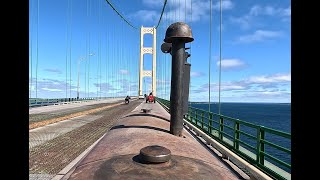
(78, 83)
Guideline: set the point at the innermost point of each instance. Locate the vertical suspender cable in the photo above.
(37, 52)
(107, 57)
(117, 66)
(67, 52)
(85, 72)
(113, 67)
(99, 48)
(185, 10)
(180, 11)
(165, 63)
(70, 47)
(98, 60)
(89, 51)
(111, 58)
(87, 54)
(121, 56)
(100, 75)
(220, 53)
(175, 11)
(210, 37)
(190, 48)
(179, 3)
(31, 37)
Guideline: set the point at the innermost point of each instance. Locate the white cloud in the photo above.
(228, 87)
(231, 64)
(271, 96)
(53, 70)
(197, 74)
(269, 11)
(54, 90)
(259, 35)
(287, 11)
(146, 15)
(262, 88)
(271, 93)
(270, 79)
(266, 82)
(226, 4)
(178, 10)
(247, 20)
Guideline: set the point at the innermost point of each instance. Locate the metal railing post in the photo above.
(220, 128)
(210, 123)
(202, 114)
(236, 135)
(260, 146)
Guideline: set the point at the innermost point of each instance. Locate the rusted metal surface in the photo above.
(51, 157)
(126, 167)
(186, 84)
(176, 93)
(166, 47)
(115, 156)
(145, 110)
(178, 30)
(154, 154)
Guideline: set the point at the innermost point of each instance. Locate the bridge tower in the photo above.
(147, 50)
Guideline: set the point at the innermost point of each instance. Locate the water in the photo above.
(272, 115)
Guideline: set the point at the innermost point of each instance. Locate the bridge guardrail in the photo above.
(46, 102)
(227, 131)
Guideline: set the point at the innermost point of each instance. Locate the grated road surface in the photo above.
(51, 157)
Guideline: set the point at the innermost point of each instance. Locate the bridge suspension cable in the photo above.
(120, 14)
(163, 8)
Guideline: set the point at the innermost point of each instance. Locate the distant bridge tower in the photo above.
(147, 50)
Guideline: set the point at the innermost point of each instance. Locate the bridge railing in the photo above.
(45, 102)
(249, 141)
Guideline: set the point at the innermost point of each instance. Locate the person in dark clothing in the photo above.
(127, 99)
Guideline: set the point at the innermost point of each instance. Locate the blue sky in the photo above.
(256, 48)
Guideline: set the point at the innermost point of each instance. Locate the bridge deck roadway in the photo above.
(54, 149)
(70, 106)
(150, 129)
(54, 146)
